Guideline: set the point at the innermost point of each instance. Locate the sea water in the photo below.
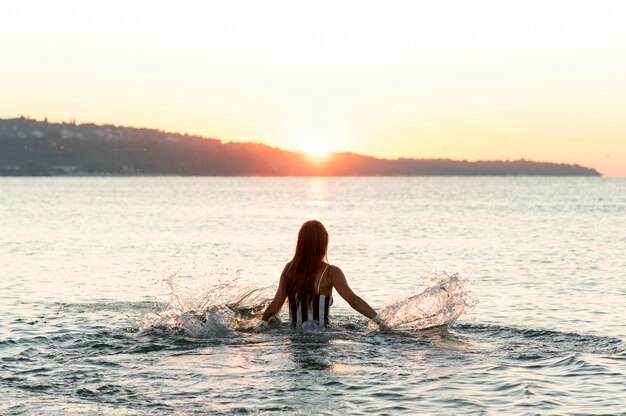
(142, 296)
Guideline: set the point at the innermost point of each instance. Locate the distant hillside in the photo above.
(39, 148)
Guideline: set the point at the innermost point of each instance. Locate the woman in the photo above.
(308, 282)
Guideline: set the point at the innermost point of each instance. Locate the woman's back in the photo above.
(318, 308)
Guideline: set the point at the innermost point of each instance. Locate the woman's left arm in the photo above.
(274, 307)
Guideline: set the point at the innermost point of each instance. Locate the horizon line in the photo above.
(72, 122)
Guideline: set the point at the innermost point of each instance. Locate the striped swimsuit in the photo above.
(317, 310)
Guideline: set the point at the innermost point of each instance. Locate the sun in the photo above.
(316, 148)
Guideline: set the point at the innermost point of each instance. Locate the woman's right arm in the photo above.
(340, 283)
(338, 279)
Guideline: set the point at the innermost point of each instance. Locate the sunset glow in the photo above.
(317, 148)
(461, 80)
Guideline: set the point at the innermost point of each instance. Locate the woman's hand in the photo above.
(262, 326)
(382, 325)
(272, 322)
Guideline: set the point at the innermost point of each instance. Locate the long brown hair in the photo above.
(301, 270)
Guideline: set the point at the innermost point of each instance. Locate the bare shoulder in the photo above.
(283, 274)
(335, 272)
(334, 269)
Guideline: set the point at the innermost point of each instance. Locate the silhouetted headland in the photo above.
(38, 148)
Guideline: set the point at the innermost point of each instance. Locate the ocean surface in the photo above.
(141, 296)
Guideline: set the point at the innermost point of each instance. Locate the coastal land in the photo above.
(38, 148)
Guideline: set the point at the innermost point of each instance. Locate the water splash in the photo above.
(208, 310)
(443, 301)
(205, 310)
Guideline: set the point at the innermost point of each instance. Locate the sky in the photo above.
(475, 80)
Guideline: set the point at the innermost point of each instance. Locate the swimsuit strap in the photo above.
(321, 277)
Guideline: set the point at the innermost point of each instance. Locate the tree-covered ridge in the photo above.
(31, 147)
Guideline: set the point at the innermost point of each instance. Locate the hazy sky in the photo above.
(471, 80)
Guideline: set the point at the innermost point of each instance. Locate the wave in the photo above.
(527, 341)
(224, 308)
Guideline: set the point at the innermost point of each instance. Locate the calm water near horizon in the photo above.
(85, 261)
